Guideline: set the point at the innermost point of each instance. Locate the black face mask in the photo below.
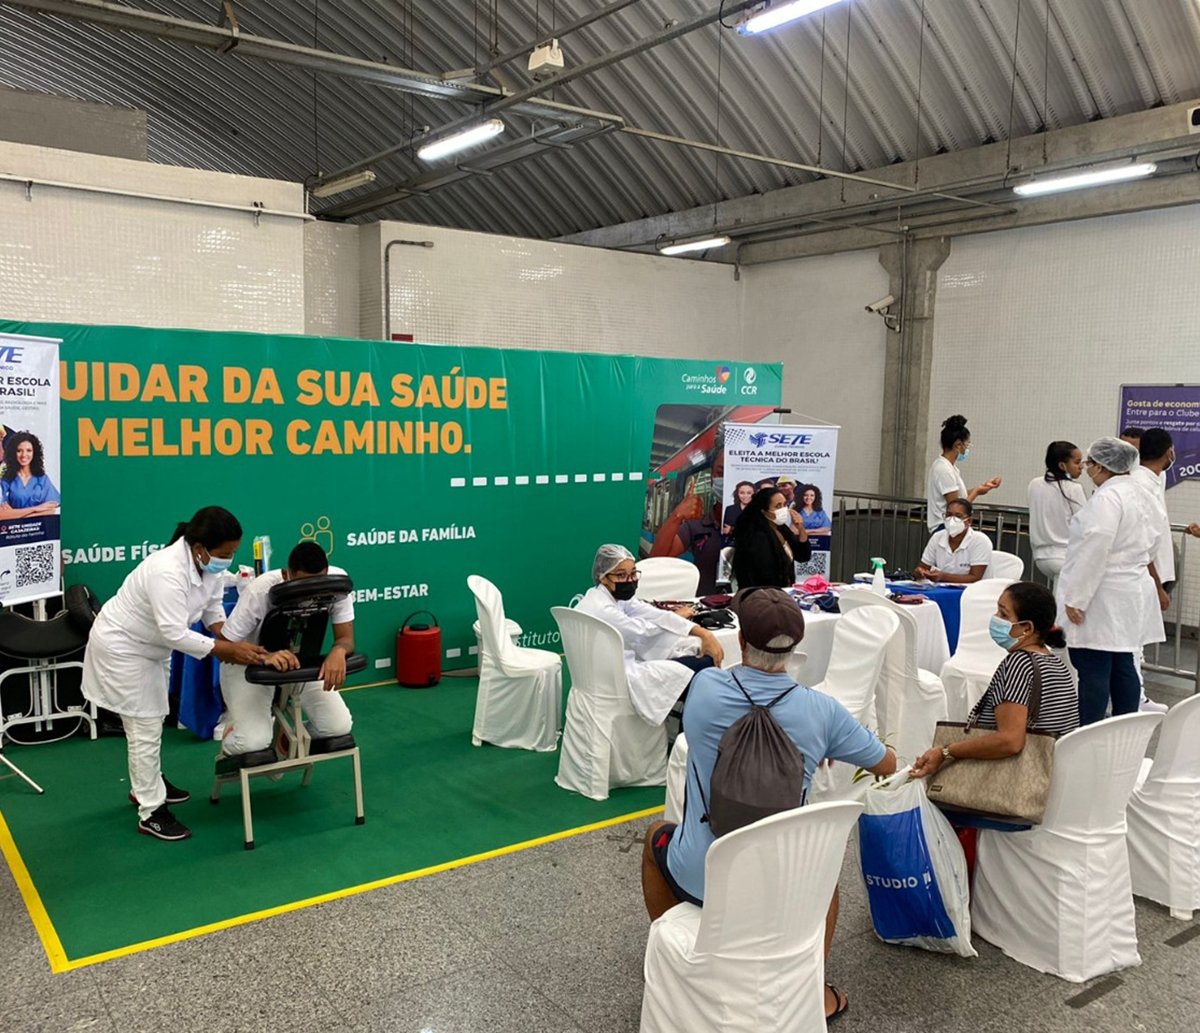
(624, 590)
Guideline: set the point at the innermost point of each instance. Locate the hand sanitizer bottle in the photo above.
(878, 582)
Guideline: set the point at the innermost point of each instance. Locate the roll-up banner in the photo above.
(412, 465)
(800, 462)
(31, 475)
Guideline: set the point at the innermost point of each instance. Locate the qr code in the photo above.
(35, 564)
(818, 564)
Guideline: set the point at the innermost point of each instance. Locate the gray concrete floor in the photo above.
(550, 939)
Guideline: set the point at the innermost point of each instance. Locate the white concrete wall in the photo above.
(808, 314)
(1037, 329)
(474, 288)
(91, 257)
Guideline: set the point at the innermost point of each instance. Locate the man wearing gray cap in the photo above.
(770, 627)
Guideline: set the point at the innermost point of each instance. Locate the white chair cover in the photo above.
(1164, 816)
(520, 690)
(605, 742)
(1058, 897)
(665, 577)
(1005, 565)
(677, 780)
(860, 641)
(909, 701)
(752, 959)
(966, 675)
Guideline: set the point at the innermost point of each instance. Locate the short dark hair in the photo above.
(1133, 432)
(308, 558)
(954, 430)
(1155, 444)
(964, 503)
(210, 526)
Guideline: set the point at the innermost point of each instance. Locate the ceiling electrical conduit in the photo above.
(250, 209)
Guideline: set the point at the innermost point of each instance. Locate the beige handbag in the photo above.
(1011, 789)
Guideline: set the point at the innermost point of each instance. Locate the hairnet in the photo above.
(608, 556)
(1113, 454)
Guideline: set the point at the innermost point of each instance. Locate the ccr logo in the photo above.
(723, 374)
(749, 376)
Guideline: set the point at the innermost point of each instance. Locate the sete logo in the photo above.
(758, 440)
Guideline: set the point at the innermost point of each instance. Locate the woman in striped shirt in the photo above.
(1024, 625)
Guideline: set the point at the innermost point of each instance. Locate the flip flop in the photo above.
(843, 1004)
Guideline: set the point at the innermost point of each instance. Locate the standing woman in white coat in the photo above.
(134, 634)
(1107, 600)
(1054, 498)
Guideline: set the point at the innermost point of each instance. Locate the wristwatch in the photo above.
(947, 756)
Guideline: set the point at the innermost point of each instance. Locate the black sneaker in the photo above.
(162, 824)
(174, 793)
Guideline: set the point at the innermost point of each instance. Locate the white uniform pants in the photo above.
(250, 723)
(143, 742)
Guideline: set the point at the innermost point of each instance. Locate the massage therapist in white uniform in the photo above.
(134, 634)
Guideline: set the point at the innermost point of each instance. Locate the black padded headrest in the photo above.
(29, 639)
(82, 607)
(304, 589)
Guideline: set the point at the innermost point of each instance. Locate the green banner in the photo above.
(412, 465)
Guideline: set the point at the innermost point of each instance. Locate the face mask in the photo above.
(963, 458)
(1170, 463)
(1001, 632)
(955, 526)
(781, 516)
(718, 488)
(216, 565)
(624, 590)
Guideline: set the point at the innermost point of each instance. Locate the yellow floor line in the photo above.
(59, 962)
(33, 901)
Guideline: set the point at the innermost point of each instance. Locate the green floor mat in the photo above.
(431, 799)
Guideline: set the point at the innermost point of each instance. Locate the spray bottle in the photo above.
(878, 582)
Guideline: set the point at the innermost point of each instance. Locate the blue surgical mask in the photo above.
(216, 565)
(963, 458)
(1001, 632)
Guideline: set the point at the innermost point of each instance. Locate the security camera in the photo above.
(882, 305)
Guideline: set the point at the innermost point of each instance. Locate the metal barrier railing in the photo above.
(867, 524)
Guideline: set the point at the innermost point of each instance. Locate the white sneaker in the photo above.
(1148, 706)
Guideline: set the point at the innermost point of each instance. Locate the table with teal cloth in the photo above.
(949, 601)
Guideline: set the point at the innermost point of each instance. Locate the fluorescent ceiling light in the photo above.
(461, 141)
(1089, 178)
(694, 245)
(766, 18)
(340, 186)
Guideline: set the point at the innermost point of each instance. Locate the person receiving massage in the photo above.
(250, 724)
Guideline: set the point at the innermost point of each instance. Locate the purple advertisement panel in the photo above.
(1175, 408)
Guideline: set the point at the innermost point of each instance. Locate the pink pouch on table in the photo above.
(815, 585)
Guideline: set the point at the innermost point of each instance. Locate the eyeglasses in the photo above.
(620, 577)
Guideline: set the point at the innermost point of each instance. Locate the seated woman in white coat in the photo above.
(134, 634)
(663, 648)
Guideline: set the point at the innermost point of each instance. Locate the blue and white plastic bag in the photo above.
(914, 870)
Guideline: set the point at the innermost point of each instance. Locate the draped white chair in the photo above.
(519, 704)
(677, 780)
(605, 742)
(667, 577)
(1164, 816)
(966, 675)
(910, 701)
(1058, 897)
(1005, 565)
(860, 642)
(752, 959)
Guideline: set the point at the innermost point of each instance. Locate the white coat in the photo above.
(1105, 574)
(136, 630)
(1155, 491)
(651, 636)
(1052, 505)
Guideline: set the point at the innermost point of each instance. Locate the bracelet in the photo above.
(947, 756)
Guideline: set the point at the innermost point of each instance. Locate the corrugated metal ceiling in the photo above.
(783, 95)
